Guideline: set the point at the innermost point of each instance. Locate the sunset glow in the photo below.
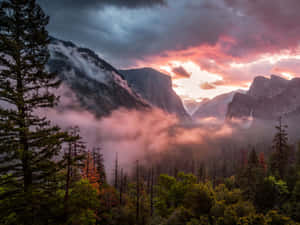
(210, 55)
(200, 85)
(214, 78)
(142, 112)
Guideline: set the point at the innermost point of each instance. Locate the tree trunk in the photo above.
(137, 193)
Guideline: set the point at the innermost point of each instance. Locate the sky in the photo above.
(208, 47)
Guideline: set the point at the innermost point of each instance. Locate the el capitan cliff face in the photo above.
(156, 88)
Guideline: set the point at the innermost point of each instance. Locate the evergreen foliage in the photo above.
(29, 145)
(48, 177)
(279, 160)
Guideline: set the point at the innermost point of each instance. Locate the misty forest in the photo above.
(84, 143)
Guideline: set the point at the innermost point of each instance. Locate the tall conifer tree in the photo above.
(279, 160)
(116, 176)
(99, 165)
(73, 161)
(29, 145)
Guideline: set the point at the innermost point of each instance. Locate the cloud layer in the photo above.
(215, 34)
(138, 135)
(180, 72)
(95, 4)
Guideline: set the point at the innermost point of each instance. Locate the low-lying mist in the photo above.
(153, 136)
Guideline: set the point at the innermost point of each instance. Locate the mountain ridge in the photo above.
(156, 88)
(279, 97)
(99, 87)
(215, 107)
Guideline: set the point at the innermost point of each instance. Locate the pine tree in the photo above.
(125, 183)
(253, 159)
(151, 192)
(116, 176)
(121, 187)
(250, 175)
(176, 172)
(99, 165)
(89, 172)
(279, 159)
(298, 158)
(244, 162)
(214, 172)
(137, 192)
(193, 167)
(73, 162)
(29, 144)
(262, 162)
(224, 169)
(148, 180)
(201, 172)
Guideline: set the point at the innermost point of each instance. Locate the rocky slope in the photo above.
(264, 87)
(98, 86)
(156, 88)
(267, 99)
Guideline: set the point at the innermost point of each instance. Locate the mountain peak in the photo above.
(267, 99)
(260, 78)
(148, 72)
(276, 77)
(155, 87)
(98, 86)
(216, 107)
(265, 87)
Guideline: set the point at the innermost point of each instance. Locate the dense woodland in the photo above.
(48, 176)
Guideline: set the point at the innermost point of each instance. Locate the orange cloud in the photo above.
(227, 72)
(180, 73)
(207, 86)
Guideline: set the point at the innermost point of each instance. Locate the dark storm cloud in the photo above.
(278, 14)
(125, 32)
(92, 4)
(181, 72)
(274, 25)
(123, 35)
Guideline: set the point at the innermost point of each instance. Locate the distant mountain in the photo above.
(191, 105)
(264, 87)
(156, 88)
(216, 107)
(98, 86)
(267, 99)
